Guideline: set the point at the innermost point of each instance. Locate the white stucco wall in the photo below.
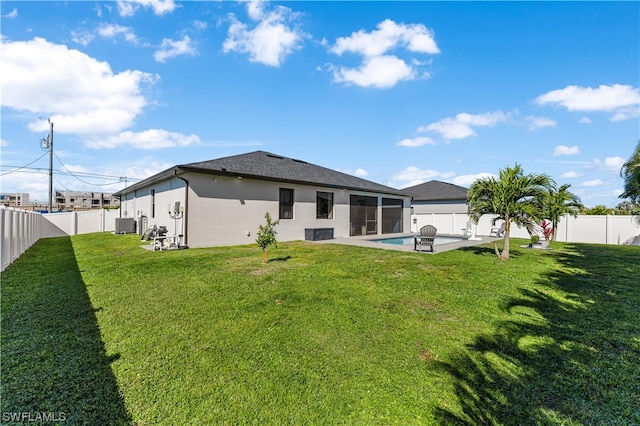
(223, 210)
(229, 210)
(140, 203)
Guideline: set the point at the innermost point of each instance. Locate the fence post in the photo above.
(74, 223)
(3, 247)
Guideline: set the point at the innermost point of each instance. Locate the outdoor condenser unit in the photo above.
(125, 225)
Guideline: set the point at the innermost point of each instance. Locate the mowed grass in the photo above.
(108, 333)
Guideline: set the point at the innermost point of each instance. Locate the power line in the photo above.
(71, 173)
(26, 169)
(23, 167)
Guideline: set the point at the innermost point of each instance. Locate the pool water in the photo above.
(408, 241)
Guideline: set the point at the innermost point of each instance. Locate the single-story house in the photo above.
(223, 201)
(437, 197)
(432, 199)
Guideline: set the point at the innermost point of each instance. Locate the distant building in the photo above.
(15, 199)
(438, 197)
(81, 200)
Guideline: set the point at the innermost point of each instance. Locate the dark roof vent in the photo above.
(300, 161)
(275, 156)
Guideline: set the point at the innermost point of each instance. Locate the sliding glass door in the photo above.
(364, 215)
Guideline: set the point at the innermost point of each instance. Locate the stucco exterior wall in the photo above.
(223, 210)
(229, 210)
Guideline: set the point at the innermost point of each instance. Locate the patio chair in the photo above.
(426, 237)
(498, 232)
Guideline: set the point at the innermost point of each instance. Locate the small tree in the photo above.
(630, 171)
(559, 202)
(513, 197)
(267, 235)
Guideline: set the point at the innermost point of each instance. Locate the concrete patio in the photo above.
(369, 241)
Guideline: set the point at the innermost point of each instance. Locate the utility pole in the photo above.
(47, 143)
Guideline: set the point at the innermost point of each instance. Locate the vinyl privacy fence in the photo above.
(21, 229)
(599, 229)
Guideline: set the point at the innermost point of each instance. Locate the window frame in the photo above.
(321, 203)
(286, 203)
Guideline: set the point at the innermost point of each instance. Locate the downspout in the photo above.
(186, 206)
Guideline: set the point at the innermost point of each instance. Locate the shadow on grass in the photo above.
(279, 259)
(570, 354)
(54, 364)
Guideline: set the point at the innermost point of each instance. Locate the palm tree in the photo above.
(630, 171)
(559, 202)
(513, 197)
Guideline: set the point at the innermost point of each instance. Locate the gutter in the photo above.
(186, 206)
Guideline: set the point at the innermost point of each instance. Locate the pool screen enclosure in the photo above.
(364, 215)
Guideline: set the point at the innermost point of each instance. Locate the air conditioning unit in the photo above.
(125, 225)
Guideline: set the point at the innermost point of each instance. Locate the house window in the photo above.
(286, 203)
(324, 205)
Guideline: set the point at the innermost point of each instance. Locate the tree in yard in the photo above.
(630, 171)
(598, 210)
(267, 235)
(512, 197)
(558, 202)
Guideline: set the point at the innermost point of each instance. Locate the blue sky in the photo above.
(395, 92)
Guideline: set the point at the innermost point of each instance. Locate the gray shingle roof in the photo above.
(436, 191)
(265, 165)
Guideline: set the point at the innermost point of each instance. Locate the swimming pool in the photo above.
(408, 241)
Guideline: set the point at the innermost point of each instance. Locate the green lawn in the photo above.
(105, 332)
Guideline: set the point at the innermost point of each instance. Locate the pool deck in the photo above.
(368, 241)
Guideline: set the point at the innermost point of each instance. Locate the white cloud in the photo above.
(159, 7)
(595, 182)
(416, 174)
(148, 139)
(361, 173)
(3, 143)
(570, 175)
(614, 163)
(461, 126)
(270, 41)
(114, 30)
(415, 142)
(585, 120)
(467, 180)
(623, 100)
(625, 114)
(536, 123)
(172, 48)
(200, 25)
(109, 31)
(389, 35)
(566, 150)
(79, 93)
(380, 69)
(357, 172)
(11, 15)
(83, 37)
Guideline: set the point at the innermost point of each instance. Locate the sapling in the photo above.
(267, 235)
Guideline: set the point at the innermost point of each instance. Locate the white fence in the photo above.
(604, 229)
(21, 229)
